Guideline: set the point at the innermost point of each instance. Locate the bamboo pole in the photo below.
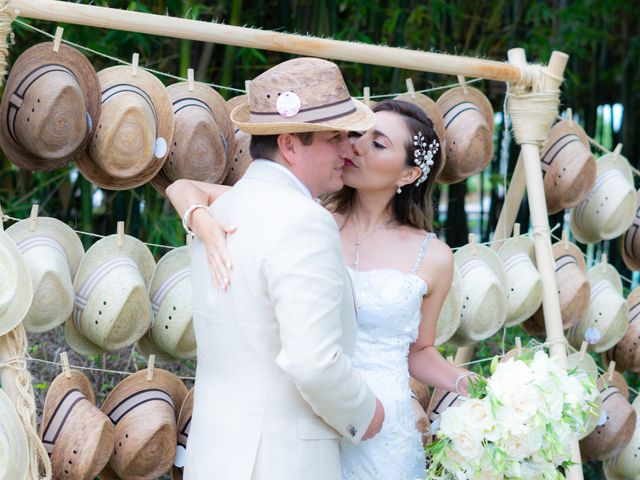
(115, 19)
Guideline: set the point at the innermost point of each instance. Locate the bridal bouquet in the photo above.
(518, 423)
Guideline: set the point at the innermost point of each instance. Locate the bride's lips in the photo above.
(349, 163)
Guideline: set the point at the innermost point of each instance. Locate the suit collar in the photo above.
(269, 171)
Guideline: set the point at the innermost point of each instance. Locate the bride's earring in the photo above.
(398, 190)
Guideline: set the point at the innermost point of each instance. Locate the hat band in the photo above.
(322, 113)
(608, 392)
(551, 154)
(41, 241)
(517, 259)
(168, 284)
(128, 88)
(599, 287)
(445, 402)
(470, 265)
(59, 417)
(601, 180)
(17, 97)
(633, 312)
(457, 110)
(83, 294)
(630, 236)
(565, 260)
(135, 400)
(183, 435)
(195, 102)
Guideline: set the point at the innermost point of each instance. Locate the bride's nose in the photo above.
(356, 143)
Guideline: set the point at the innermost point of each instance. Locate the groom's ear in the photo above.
(287, 148)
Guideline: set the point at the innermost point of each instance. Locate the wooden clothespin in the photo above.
(472, 242)
(134, 64)
(246, 85)
(33, 217)
(190, 80)
(57, 39)
(518, 346)
(366, 92)
(410, 89)
(565, 239)
(603, 262)
(617, 150)
(612, 367)
(65, 364)
(516, 231)
(463, 84)
(583, 349)
(570, 115)
(151, 367)
(120, 233)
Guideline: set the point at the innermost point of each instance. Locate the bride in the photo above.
(401, 274)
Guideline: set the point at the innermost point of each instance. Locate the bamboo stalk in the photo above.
(115, 19)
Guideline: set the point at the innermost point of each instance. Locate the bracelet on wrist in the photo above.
(187, 216)
(460, 377)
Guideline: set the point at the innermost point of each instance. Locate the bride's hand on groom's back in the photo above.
(376, 422)
(213, 233)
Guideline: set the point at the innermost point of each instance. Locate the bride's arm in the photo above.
(426, 364)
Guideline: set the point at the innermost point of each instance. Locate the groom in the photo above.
(275, 389)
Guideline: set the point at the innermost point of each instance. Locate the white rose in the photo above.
(452, 460)
(552, 398)
(478, 415)
(469, 444)
(508, 378)
(452, 422)
(517, 447)
(487, 473)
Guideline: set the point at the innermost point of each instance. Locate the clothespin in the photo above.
(612, 367)
(65, 364)
(516, 231)
(366, 91)
(518, 346)
(410, 89)
(120, 232)
(603, 262)
(190, 80)
(246, 85)
(472, 242)
(57, 39)
(583, 349)
(33, 217)
(565, 239)
(134, 64)
(617, 150)
(151, 367)
(570, 115)
(463, 84)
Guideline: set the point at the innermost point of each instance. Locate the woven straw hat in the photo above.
(75, 433)
(616, 426)
(50, 107)
(440, 401)
(203, 140)
(468, 120)
(171, 334)
(144, 414)
(585, 365)
(112, 307)
(607, 317)
(183, 427)
(435, 115)
(484, 303)
(630, 242)
(16, 288)
(52, 252)
(134, 131)
(626, 464)
(524, 284)
(241, 158)
(301, 95)
(626, 352)
(450, 318)
(609, 209)
(14, 453)
(568, 165)
(233, 102)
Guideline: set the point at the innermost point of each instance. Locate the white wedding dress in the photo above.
(388, 305)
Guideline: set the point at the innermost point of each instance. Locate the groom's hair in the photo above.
(266, 146)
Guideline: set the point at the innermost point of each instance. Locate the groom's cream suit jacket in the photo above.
(274, 388)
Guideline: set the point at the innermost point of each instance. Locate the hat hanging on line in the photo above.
(183, 427)
(14, 452)
(52, 252)
(630, 242)
(171, 335)
(134, 131)
(112, 307)
(75, 433)
(50, 107)
(203, 139)
(584, 365)
(626, 352)
(450, 318)
(301, 95)
(626, 464)
(468, 121)
(568, 166)
(241, 158)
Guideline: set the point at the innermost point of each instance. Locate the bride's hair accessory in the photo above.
(423, 156)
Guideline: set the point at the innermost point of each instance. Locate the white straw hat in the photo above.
(14, 452)
(609, 209)
(583, 364)
(16, 289)
(449, 319)
(52, 252)
(524, 284)
(607, 318)
(630, 241)
(484, 303)
(626, 464)
(171, 335)
(112, 307)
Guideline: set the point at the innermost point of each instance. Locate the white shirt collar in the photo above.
(303, 188)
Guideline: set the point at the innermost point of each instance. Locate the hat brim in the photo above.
(21, 303)
(455, 95)
(159, 96)
(146, 346)
(629, 260)
(449, 319)
(361, 119)
(17, 441)
(31, 59)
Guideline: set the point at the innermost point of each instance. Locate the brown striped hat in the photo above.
(75, 433)
(568, 166)
(626, 352)
(626, 464)
(301, 95)
(184, 427)
(630, 243)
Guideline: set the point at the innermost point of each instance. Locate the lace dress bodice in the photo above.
(388, 305)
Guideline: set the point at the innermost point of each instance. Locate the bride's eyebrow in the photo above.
(377, 133)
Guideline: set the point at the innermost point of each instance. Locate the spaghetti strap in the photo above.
(427, 238)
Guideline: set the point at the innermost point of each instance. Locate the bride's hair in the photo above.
(414, 205)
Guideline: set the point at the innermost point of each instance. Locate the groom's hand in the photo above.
(376, 423)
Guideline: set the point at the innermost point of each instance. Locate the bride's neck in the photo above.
(370, 209)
